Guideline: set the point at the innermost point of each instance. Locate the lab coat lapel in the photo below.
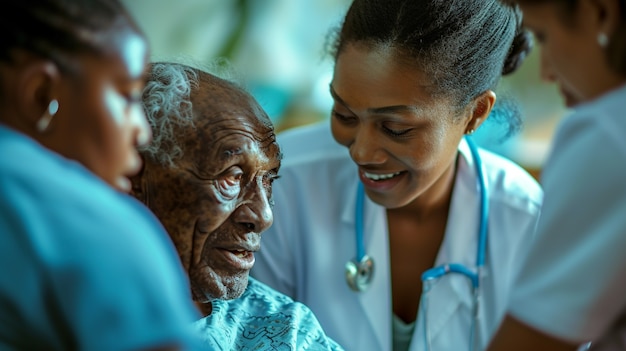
(461, 239)
(450, 298)
(375, 302)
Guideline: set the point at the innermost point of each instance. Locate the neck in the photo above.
(204, 308)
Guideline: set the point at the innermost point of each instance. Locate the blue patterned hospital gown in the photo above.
(263, 319)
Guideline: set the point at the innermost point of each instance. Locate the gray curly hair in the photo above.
(166, 102)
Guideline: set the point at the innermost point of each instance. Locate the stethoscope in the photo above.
(360, 271)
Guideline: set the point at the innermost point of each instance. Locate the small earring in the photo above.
(603, 40)
(470, 132)
(44, 121)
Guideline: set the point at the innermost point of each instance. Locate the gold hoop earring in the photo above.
(603, 40)
(44, 121)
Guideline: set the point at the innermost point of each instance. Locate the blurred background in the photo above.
(277, 49)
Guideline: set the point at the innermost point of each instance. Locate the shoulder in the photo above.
(612, 103)
(65, 216)
(94, 251)
(312, 161)
(312, 156)
(508, 184)
(595, 125)
(308, 144)
(267, 318)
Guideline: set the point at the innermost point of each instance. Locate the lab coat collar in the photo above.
(460, 241)
(453, 291)
(459, 246)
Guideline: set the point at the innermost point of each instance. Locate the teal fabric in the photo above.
(262, 319)
(82, 266)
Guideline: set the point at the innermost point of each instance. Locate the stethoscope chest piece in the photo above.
(359, 274)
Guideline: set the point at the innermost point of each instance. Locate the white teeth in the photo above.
(380, 176)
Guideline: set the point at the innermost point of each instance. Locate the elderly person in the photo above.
(208, 177)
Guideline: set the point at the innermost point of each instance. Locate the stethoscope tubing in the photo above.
(484, 203)
(359, 225)
(439, 271)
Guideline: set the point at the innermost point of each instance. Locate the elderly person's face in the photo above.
(216, 202)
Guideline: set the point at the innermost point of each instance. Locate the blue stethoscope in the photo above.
(360, 271)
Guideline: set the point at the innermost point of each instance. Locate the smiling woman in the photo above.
(209, 180)
(394, 182)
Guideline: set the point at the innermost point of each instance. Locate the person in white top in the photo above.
(572, 288)
(392, 195)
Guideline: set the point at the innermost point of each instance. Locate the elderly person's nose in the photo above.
(255, 213)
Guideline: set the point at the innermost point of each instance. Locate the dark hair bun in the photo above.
(521, 47)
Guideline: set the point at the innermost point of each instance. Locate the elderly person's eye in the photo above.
(229, 184)
(269, 179)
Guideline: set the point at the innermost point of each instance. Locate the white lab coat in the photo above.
(305, 251)
(573, 284)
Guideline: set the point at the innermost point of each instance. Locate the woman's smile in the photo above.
(374, 176)
(381, 181)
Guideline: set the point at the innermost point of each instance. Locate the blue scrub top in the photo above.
(82, 266)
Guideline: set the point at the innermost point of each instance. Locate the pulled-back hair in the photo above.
(463, 46)
(58, 29)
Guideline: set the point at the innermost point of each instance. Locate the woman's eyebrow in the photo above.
(380, 110)
(335, 96)
(395, 109)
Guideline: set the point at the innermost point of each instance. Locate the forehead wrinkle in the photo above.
(251, 127)
(228, 149)
(230, 153)
(262, 147)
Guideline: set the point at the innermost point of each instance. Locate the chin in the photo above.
(236, 285)
(389, 202)
(222, 288)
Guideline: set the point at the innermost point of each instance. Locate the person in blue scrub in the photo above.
(390, 223)
(83, 266)
(571, 289)
(208, 176)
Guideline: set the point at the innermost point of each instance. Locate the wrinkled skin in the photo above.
(217, 199)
